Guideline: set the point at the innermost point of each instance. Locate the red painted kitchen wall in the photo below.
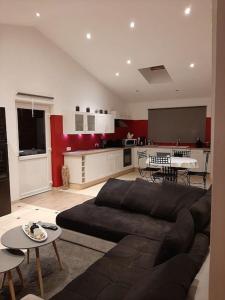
(60, 141)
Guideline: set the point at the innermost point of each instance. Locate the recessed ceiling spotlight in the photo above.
(187, 11)
(132, 24)
(88, 35)
(128, 61)
(38, 14)
(117, 74)
(192, 65)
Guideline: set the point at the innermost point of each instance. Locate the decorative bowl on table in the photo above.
(35, 232)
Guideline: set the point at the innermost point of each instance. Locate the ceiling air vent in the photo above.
(156, 74)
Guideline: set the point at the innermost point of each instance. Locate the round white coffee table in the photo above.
(11, 259)
(17, 239)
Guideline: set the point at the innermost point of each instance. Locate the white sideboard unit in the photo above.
(92, 166)
(198, 153)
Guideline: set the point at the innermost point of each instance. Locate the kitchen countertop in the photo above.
(92, 151)
(174, 147)
(96, 151)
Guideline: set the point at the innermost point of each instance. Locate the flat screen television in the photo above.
(167, 125)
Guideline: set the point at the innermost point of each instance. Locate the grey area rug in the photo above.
(75, 259)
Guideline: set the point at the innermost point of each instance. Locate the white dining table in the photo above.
(177, 162)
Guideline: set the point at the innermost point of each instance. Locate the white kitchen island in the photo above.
(89, 167)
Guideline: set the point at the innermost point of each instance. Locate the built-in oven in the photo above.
(127, 157)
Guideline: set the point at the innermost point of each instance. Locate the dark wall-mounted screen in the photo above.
(171, 124)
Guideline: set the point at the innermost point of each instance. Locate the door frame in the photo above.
(47, 109)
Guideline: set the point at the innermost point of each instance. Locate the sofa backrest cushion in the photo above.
(201, 211)
(172, 198)
(113, 192)
(178, 239)
(141, 196)
(168, 281)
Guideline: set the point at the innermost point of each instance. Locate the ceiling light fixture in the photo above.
(187, 11)
(132, 24)
(128, 61)
(192, 65)
(37, 14)
(117, 74)
(88, 35)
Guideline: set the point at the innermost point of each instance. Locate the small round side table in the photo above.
(9, 260)
(16, 239)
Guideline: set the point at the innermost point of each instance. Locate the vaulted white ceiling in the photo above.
(163, 35)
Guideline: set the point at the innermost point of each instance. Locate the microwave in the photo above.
(129, 142)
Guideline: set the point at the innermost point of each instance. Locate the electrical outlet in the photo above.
(68, 148)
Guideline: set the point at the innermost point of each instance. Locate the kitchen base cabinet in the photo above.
(87, 170)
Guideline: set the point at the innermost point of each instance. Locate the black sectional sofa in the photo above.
(162, 235)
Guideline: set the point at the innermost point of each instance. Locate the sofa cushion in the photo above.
(141, 196)
(179, 238)
(135, 251)
(110, 223)
(113, 192)
(173, 198)
(92, 285)
(167, 281)
(199, 249)
(201, 211)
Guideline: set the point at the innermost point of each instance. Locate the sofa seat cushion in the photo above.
(168, 281)
(179, 238)
(111, 224)
(113, 192)
(91, 285)
(135, 251)
(173, 198)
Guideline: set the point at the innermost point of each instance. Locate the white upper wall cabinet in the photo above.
(87, 123)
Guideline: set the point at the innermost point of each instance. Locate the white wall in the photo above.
(139, 110)
(30, 63)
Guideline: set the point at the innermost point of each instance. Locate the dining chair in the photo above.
(181, 153)
(182, 172)
(166, 173)
(202, 174)
(143, 167)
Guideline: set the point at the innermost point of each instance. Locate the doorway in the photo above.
(34, 152)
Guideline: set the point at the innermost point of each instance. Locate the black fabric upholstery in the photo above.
(173, 198)
(113, 192)
(135, 251)
(111, 224)
(151, 225)
(169, 281)
(201, 211)
(141, 196)
(179, 238)
(199, 249)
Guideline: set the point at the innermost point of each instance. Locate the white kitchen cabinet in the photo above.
(87, 123)
(94, 166)
(76, 168)
(104, 123)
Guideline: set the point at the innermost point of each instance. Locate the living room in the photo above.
(112, 101)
